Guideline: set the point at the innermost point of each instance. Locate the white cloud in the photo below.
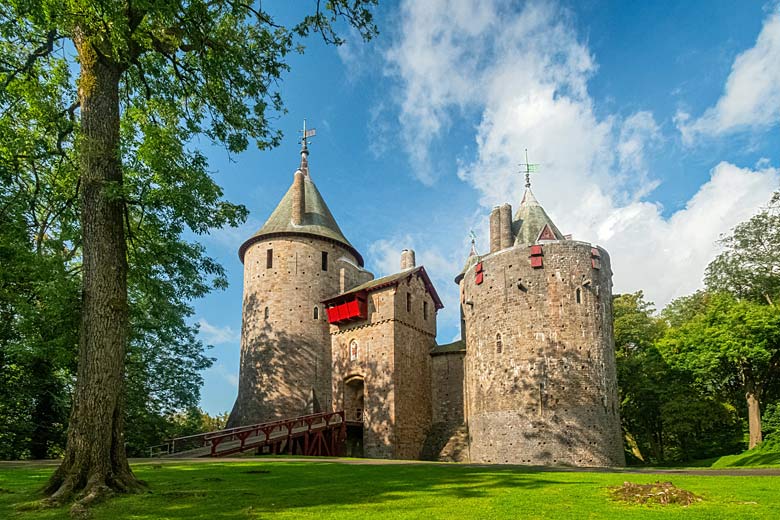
(214, 335)
(526, 73)
(751, 97)
(223, 373)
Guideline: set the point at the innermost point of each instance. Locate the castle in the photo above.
(532, 381)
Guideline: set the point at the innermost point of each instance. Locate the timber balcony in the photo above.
(319, 434)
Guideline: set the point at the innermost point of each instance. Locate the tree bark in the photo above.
(754, 413)
(95, 462)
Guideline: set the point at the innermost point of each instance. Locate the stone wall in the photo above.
(448, 436)
(415, 336)
(447, 387)
(285, 350)
(392, 360)
(540, 366)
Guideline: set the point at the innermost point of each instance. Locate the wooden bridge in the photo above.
(319, 434)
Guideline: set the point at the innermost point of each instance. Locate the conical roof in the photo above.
(318, 221)
(530, 222)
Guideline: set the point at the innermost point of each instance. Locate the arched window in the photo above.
(499, 344)
(316, 312)
(353, 350)
(267, 313)
(578, 295)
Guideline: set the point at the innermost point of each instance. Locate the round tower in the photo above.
(296, 260)
(540, 377)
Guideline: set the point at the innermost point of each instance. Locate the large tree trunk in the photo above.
(95, 462)
(754, 413)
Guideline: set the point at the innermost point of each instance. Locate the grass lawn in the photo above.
(258, 489)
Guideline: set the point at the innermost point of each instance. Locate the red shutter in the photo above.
(479, 278)
(536, 262)
(478, 268)
(536, 250)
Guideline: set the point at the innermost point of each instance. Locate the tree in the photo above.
(749, 267)
(729, 344)
(641, 373)
(151, 76)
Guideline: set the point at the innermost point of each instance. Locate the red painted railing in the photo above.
(319, 434)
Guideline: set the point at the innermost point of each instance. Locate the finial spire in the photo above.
(473, 237)
(305, 136)
(529, 169)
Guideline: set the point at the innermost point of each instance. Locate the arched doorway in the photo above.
(354, 401)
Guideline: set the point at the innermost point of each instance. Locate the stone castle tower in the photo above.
(532, 381)
(539, 366)
(295, 261)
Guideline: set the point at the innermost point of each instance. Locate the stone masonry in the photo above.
(532, 381)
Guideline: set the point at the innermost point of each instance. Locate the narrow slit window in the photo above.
(425, 310)
(499, 344)
(316, 313)
(578, 295)
(269, 259)
(267, 313)
(353, 350)
(408, 302)
(324, 260)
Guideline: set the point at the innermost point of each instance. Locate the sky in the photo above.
(656, 126)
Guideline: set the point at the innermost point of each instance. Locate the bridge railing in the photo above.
(250, 435)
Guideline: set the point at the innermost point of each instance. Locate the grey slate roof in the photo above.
(393, 279)
(318, 221)
(530, 219)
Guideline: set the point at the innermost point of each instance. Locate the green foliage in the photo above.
(666, 417)
(727, 343)
(770, 423)
(749, 267)
(186, 69)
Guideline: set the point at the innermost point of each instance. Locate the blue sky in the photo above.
(656, 126)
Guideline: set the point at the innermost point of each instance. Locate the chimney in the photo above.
(298, 199)
(505, 233)
(495, 230)
(407, 259)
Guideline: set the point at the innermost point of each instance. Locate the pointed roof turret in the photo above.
(316, 219)
(531, 223)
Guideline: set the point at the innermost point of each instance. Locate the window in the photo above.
(578, 295)
(269, 259)
(324, 260)
(425, 310)
(316, 312)
(267, 313)
(353, 350)
(499, 344)
(408, 302)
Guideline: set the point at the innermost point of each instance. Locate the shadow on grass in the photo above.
(248, 490)
(746, 459)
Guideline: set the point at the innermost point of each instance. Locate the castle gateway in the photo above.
(531, 382)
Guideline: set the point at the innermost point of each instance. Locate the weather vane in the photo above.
(473, 237)
(306, 134)
(529, 169)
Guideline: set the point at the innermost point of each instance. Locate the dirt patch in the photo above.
(663, 493)
(257, 471)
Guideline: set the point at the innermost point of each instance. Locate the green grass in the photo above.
(765, 454)
(258, 489)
